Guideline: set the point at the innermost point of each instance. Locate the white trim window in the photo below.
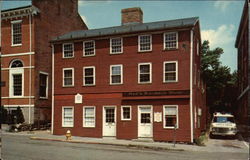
(68, 50)
(89, 76)
(88, 48)
(116, 74)
(144, 73)
(68, 77)
(43, 85)
(145, 43)
(67, 116)
(170, 117)
(116, 45)
(16, 33)
(170, 71)
(16, 79)
(89, 116)
(126, 113)
(170, 40)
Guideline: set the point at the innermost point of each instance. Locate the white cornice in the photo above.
(16, 54)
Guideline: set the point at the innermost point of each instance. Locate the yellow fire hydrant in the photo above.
(68, 135)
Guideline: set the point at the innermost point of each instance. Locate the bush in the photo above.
(19, 115)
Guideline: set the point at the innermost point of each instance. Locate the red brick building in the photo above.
(26, 53)
(243, 46)
(137, 80)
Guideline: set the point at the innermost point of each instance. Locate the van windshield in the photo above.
(223, 119)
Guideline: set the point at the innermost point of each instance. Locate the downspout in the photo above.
(30, 74)
(191, 85)
(53, 70)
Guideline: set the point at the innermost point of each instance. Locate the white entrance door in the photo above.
(145, 127)
(109, 121)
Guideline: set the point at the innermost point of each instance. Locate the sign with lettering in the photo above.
(78, 98)
(156, 93)
(157, 116)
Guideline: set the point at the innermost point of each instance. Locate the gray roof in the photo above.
(124, 29)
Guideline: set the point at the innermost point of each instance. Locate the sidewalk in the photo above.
(46, 136)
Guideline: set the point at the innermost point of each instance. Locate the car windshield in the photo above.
(223, 119)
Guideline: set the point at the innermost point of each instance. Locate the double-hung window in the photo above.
(171, 40)
(89, 116)
(145, 43)
(170, 116)
(144, 73)
(16, 32)
(170, 71)
(116, 74)
(116, 46)
(89, 48)
(68, 50)
(67, 116)
(126, 112)
(43, 88)
(68, 77)
(89, 76)
(16, 79)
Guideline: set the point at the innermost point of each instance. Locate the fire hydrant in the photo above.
(68, 135)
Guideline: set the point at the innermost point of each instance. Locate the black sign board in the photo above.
(156, 93)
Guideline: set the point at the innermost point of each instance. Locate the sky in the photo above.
(219, 20)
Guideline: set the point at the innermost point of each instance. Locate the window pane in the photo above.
(89, 48)
(116, 70)
(171, 40)
(16, 63)
(68, 50)
(144, 68)
(17, 33)
(68, 80)
(17, 84)
(116, 79)
(170, 67)
(145, 117)
(110, 115)
(43, 85)
(116, 45)
(89, 117)
(68, 116)
(170, 116)
(144, 78)
(126, 112)
(170, 76)
(89, 71)
(145, 43)
(89, 76)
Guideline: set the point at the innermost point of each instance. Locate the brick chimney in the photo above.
(132, 16)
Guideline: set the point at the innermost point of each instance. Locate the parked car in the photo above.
(223, 124)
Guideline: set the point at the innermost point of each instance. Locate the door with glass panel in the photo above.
(145, 127)
(109, 121)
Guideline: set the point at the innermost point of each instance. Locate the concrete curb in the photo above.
(139, 146)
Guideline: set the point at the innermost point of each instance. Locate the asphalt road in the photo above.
(16, 147)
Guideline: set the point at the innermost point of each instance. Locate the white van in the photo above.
(223, 124)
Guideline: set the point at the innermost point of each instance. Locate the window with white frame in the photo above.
(145, 43)
(89, 116)
(170, 116)
(16, 31)
(43, 87)
(16, 78)
(68, 77)
(89, 76)
(126, 113)
(170, 71)
(68, 50)
(116, 45)
(171, 40)
(89, 48)
(67, 116)
(144, 73)
(116, 74)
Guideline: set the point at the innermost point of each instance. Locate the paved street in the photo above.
(22, 148)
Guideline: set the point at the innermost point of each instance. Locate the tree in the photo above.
(220, 82)
(19, 115)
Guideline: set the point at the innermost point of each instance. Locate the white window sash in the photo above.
(111, 45)
(130, 112)
(111, 73)
(65, 117)
(14, 71)
(12, 34)
(89, 116)
(164, 114)
(47, 84)
(72, 69)
(84, 76)
(139, 43)
(164, 40)
(64, 50)
(164, 71)
(84, 54)
(150, 73)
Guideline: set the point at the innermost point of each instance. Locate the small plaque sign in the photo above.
(157, 116)
(78, 98)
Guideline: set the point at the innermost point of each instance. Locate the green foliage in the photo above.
(218, 79)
